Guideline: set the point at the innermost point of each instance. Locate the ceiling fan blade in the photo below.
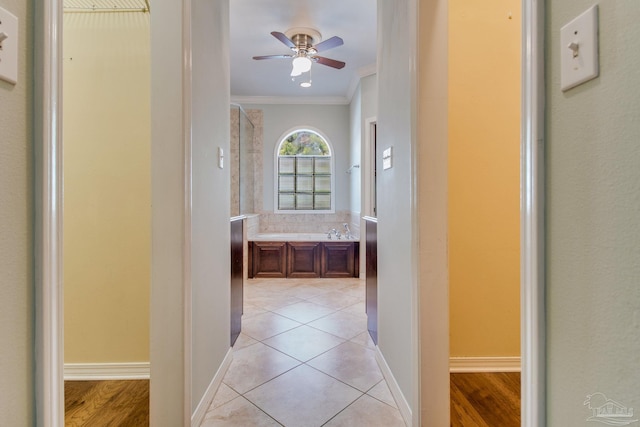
(284, 39)
(273, 57)
(329, 62)
(334, 41)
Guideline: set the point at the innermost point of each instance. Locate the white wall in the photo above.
(173, 373)
(355, 147)
(433, 138)
(363, 106)
(167, 218)
(593, 206)
(210, 244)
(331, 120)
(396, 276)
(369, 96)
(16, 231)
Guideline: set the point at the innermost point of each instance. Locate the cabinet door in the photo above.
(338, 259)
(303, 259)
(237, 258)
(269, 259)
(372, 279)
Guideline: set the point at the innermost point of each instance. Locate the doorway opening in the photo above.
(107, 211)
(50, 228)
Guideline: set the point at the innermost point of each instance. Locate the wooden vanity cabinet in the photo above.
(268, 259)
(304, 259)
(339, 259)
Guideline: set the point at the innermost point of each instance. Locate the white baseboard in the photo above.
(201, 410)
(403, 405)
(484, 364)
(106, 371)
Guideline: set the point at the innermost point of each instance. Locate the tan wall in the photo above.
(17, 335)
(106, 187)
(484, 141)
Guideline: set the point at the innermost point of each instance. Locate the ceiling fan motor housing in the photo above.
(303, 42)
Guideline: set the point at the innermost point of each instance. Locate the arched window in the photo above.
(304, 169)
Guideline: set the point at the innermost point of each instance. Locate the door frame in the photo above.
(368, 167)
(532, 229)
(49, 226)
(49, 314)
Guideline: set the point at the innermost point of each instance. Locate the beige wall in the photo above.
(107, 185)
(484, 177)
(16, 231)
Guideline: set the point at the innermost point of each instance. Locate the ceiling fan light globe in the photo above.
(302, 63)
(296, 72)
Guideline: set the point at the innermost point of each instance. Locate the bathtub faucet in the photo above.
(334, 231)
(347, 231)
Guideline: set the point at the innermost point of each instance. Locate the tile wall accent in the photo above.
(253, 152)
(303, 223)
(355, 224)
(257, 119)
(252, 224)
(234, 159)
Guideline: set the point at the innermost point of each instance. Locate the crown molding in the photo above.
(360, 73)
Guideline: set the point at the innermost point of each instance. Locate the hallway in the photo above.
(304, 358)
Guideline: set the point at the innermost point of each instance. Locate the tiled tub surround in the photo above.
(308, 223)
(304, 358)
(249, 152)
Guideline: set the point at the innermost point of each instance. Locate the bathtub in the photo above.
(302, 255)
(297, 237)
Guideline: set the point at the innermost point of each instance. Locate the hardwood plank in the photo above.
(493, 397)
(462, 411)
(107, 403)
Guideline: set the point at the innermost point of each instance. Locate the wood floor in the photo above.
(106, 403)
(485, 400)
(477, 400)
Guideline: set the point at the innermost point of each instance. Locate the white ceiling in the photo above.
(252, 21)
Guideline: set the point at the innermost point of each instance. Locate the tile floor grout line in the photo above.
(286, 291)
(263, 411)
(337, 379)
(343, 409)
(269, 380)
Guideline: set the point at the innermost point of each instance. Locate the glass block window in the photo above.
(304, 172)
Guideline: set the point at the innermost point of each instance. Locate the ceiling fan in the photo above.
(304, 51)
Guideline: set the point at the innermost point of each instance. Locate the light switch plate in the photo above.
(220, 158)
(9, 47)
(387, 157)
(579, 49)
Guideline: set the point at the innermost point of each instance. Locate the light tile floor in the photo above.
(304, 359)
